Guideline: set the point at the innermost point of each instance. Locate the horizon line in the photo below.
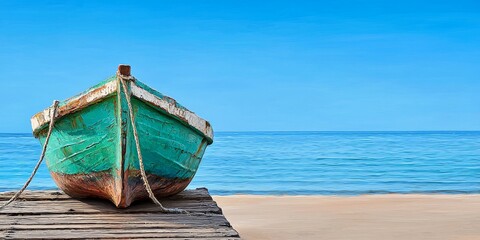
(325, 131)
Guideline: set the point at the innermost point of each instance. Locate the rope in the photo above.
(53, 112)
(163, 209)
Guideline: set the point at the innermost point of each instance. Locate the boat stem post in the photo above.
(124, 69)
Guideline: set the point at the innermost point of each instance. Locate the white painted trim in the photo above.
(78, 102)
(171, 108)
(96, 94)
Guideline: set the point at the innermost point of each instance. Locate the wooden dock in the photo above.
(54, 215)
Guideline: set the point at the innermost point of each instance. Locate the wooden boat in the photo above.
(92, 152)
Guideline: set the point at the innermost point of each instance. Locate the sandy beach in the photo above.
(365, 217)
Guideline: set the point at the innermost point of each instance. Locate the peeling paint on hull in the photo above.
(121, 192)
(92, 151)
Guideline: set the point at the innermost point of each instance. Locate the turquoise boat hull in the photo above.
(92, 151)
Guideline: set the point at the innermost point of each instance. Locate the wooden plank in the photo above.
(36, 195)
(85, 207)
(110, 226)
(179, 222)
(112, 217)
(203, 238)
(114, 234)
(54, 215)
(196, 194)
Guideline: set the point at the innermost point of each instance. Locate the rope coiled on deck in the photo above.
(163, 209)
(53, 112)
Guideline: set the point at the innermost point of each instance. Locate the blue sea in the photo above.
(304, 163)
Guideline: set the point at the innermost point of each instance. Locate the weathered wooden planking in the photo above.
(54, 215)
(98, 206)
(197, 194)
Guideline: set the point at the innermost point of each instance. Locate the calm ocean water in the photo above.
(343, 163)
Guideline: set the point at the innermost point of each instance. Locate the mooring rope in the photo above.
(139, 153)
(53, 112)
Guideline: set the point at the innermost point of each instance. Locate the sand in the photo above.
(366, 217)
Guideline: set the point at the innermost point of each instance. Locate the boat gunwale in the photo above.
(166, 105)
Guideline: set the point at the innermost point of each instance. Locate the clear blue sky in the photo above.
(254, 65)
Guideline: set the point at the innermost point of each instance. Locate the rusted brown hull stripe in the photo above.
(105, 185)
